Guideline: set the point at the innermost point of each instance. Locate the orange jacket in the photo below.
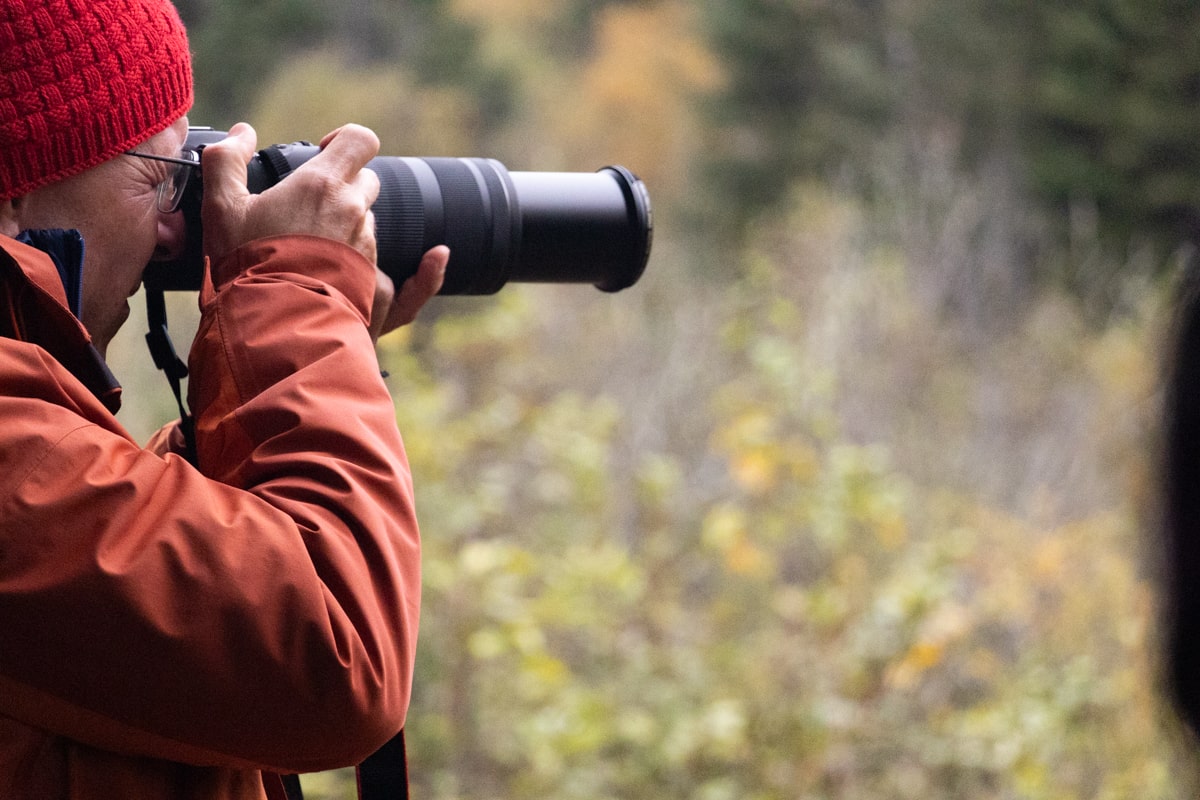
(168, 631)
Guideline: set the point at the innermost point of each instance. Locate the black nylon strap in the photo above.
(162, 350)
(384, 775)
(291, 787)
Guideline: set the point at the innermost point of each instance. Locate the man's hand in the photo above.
(391, 310)
(331, 195)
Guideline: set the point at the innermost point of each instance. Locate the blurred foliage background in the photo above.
(853, 495)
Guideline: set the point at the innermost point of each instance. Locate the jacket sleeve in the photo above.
(260, 611)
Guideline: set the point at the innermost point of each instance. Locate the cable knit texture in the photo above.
(84, 80)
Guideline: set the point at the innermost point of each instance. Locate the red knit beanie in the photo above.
(84, 80)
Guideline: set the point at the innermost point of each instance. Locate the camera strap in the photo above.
(162, 350)
(384, 775)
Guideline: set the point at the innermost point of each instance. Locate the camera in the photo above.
(501, 226)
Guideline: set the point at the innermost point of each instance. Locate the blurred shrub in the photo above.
(804, 603)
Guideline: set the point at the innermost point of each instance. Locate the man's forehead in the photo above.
(167, 142)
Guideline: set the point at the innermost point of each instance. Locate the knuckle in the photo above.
(364, 135)
(371, 181)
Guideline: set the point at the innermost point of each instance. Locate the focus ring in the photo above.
(399, 219)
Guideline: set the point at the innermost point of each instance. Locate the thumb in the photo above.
(224, 164)
(224, 207)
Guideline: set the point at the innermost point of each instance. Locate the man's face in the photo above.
(114, 206)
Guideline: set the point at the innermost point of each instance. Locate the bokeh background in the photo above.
(854, 494)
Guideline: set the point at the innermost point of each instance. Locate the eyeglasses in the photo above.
(171, 189)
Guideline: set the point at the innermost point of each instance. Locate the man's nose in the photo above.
(172, 236)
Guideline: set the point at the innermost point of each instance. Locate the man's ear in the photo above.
(8, 217)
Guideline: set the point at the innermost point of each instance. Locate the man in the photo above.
(170, 630)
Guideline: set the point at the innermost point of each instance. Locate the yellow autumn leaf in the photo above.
(745, 558)
(723, 527)
(754, 471)
(919, 659)
(891, 531)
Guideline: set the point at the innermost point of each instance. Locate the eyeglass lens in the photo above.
(171, 190)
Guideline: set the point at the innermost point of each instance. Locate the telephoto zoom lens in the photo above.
(500, 226)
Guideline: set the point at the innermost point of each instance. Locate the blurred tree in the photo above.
(436, 45)
(616, 113)
(1094, 106)
(236, 45)
(239, 45)
(318, 90)
(1114, 115)
(962, 64)
(807, 93)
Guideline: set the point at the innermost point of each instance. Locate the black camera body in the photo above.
(501, 226)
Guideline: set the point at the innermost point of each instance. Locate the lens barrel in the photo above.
(500, 226)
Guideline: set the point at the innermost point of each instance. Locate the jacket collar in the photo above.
(65, 249)
(44, 309)
(38, 268)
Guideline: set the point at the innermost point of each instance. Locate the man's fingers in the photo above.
(419, 288)
(385, 292)
(224, 164)
(330, 195)
(224, 209)
(364, 239)
(345, 151)
(368, 183)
